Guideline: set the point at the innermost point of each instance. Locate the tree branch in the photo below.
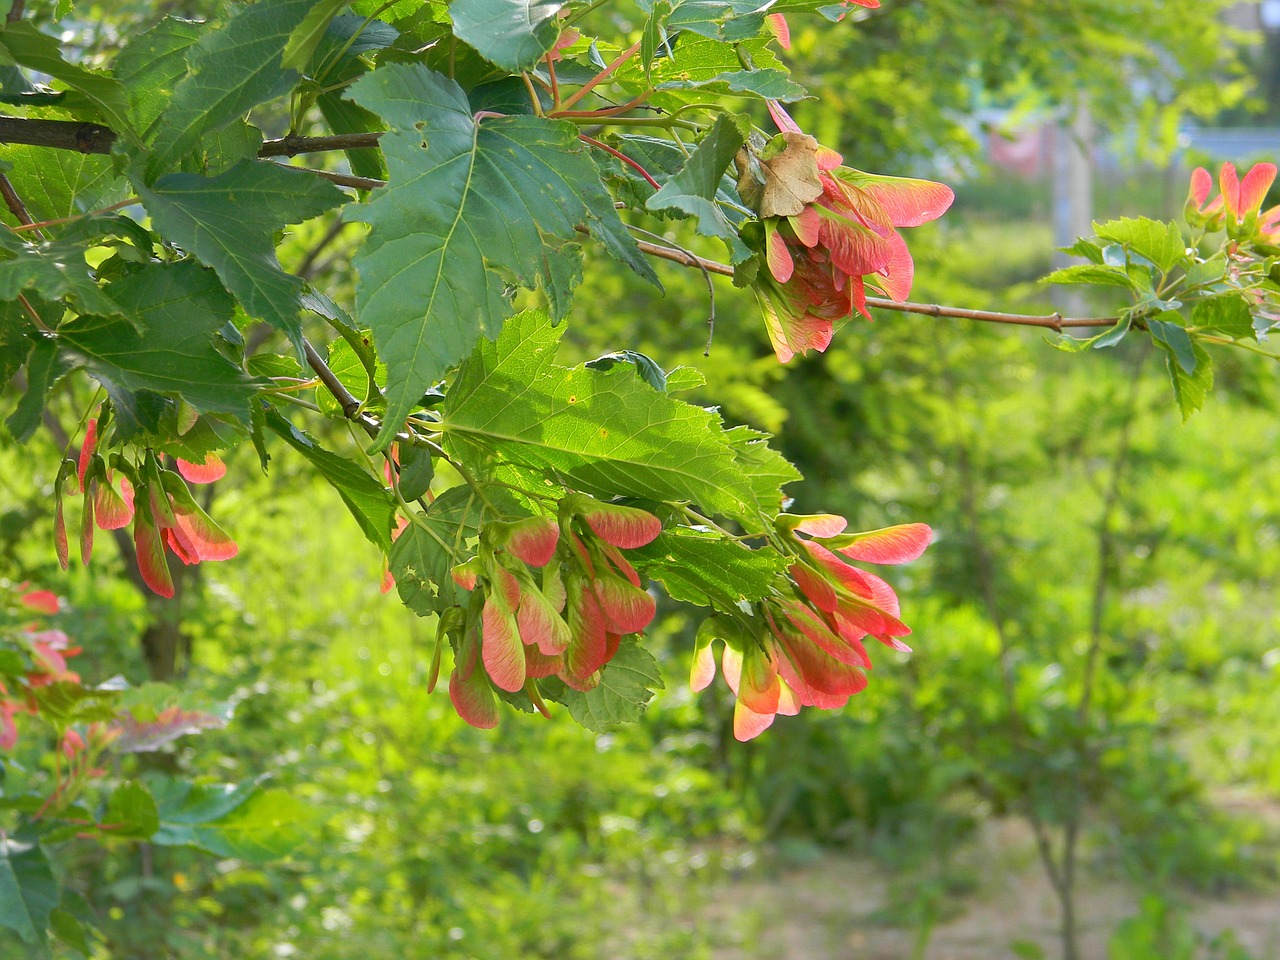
(350, 405)
(95, 138)
(14, 202)
(1053, 321)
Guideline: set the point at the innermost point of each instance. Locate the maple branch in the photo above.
(14, 202)
(95, 138)
(1053, 321)
(350, 405)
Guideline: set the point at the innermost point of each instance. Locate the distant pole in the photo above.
(1072, 196)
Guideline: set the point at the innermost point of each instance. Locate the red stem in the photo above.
(621, 156)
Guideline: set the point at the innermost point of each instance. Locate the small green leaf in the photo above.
(349, 367)
(1104, 274)
(416, 471)
(366, 498)
(1190, 388)
(1227, 316)
(266, 826)
(1174, 336)
(654, 34)
(28, 892)
(1160, 243)
(307, 35)
(627, 684)
(768, 84)
(429, 547)
(514, 34)
(693, 190)
(1084, 248)
(707, 568)
(67, 928)
(54, 269)
(131, 812)
(45, 365)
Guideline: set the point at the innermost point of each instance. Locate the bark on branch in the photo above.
(95, 138)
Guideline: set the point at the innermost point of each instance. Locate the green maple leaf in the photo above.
(233, 69)
(366, 498)
(229, 222)
(53, 269)
(152, 63)
(31, 48)
(603, 431)
(165, 347)
(627, 684)
(468, 202)
(28, 892)
(694, 189)
(514, 34)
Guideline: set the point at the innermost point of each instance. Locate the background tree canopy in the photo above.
(299, 298)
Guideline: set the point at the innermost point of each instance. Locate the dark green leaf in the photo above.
(430, 546)
(54, 269)
(151, 64)
(693, 190)
(67, 928)
(647, 367)
(31, 48)
(1174, 336)
(767, 84)
(1228, 316)
(416, 471)
(366, 498)
(1190, 388)
(168, 349)
(514, 34)
(627, 684)
(654, 34)
(467, 201)
(28, 892)
(229, 221)
(307, 35)
(44, 366)
(17, 337)
(233, 69)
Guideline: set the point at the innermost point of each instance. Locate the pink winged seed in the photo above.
(534, 540)
(207, 472)
(625, 527)
(501, 649)
(897, 544)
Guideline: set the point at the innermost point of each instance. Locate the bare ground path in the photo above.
(833, 908)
